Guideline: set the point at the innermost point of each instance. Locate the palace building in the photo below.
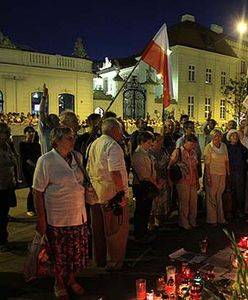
(24, 71)
(202, 62)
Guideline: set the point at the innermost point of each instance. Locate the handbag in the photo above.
(90, 194)
(38, 262)
(148, 189)
(175, 171)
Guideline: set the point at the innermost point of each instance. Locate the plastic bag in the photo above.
(38, 262)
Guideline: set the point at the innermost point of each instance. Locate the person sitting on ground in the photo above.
(30, 151)
(8, 180)
(60, 204)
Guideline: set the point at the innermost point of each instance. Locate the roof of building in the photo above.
(194, 35)
(189, 34)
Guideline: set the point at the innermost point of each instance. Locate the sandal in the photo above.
(61, 293)
(77, 288)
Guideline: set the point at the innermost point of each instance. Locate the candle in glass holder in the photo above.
(170, 287)
(141, 289)
(150, 295)
(160, 283)
(171, 272)
(243, 242)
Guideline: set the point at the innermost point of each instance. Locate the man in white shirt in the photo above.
(107, 171)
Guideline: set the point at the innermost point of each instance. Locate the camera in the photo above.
(114, 203)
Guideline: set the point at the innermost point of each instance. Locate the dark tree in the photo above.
(235, 92)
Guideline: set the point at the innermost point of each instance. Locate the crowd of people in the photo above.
(57, 163)
(14, 118)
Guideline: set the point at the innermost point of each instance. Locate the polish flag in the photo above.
(157, 56)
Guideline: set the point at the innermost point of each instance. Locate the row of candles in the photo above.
(186, 284)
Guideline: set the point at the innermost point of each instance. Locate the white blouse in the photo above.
(62, 188)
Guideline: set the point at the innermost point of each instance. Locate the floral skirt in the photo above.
(69, 247)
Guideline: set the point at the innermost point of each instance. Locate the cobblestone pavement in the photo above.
(143, 261)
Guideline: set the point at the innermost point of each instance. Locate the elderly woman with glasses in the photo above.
(8, 179)
(216, 169)
(60, 205)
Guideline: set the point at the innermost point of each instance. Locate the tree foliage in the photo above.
(235, 92)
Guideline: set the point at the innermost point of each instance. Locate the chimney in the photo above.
(216, 28)
(187, 18)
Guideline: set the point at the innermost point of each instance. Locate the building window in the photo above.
(191, 101)
(222, 109)
(66, 102)
(191, 73)
(105, 85)
(207, 106)
(223, 78)
(1, 101)
(243, 67)
(208, 75)
(35, 102)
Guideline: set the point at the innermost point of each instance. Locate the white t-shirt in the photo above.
(105, 156)
(62, 188)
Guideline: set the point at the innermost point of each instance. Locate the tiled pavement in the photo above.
(144, 261)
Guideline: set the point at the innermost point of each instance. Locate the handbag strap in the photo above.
(81, 167)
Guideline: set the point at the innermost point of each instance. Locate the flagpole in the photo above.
(124, 83)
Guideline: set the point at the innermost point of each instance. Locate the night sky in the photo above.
(108, 28)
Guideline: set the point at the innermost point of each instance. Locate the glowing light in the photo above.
(242, 27)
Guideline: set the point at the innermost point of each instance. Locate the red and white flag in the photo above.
(157, 56)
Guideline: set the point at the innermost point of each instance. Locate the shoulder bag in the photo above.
(175, 172)
(90, 193)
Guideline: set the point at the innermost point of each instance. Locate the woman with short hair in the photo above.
(216, 169)
(60, 204)
(188, 185)
(143, 169)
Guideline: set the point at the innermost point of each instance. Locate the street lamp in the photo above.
(242, 27)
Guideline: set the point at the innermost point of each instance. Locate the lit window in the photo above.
(208, 75)
(207, 106)
(191, 100)
(35, 102)
(191, 73)
(222, 109)
(223, 78)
